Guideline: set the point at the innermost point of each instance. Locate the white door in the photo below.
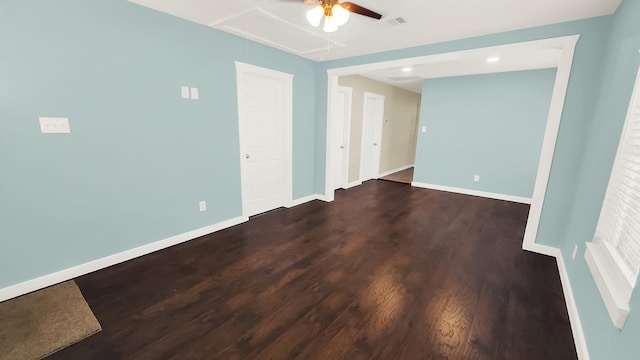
(264, 119)
(372, 118)
(340, 139)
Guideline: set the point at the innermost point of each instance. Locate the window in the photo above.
(614, 254)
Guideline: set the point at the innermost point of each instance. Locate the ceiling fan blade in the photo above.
(357, 9)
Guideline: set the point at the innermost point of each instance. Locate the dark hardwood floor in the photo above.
(386, 271)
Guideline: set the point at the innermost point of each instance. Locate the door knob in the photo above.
(247, 156)
(341, 146)
(375, 144)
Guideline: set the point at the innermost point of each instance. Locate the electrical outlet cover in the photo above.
(51, 125)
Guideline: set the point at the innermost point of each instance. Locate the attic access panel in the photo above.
(261, 26)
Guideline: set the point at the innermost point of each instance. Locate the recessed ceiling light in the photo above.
(493, 59)
(407, 69)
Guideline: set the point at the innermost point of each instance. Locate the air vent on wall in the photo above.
(396, 21)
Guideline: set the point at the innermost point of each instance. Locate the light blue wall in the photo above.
(618, 75)
(579, 106)
(491, 125)
(139, 158)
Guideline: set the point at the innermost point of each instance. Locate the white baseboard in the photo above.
(541, 249)
(381, 175)
(324, 198)
(511, 198)
(303, 200)
(569, 299)
(353, 184)
(572, 309)
(79, 270)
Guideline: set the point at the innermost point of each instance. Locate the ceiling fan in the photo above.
(335, 13)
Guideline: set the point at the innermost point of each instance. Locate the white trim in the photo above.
(572, 309)
(609, 280)
(542, 249)
(325, 199)
(386, 173)
(484, 194)
(79, 270)
(287, 125)
(550, 137)
(303, 200)
(353, 184)
(328, 184)
(574, 317)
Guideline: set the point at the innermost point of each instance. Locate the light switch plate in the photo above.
(194, 93)
(184, 90)
(203, 206)
(476, 178)
(51, 125)
(424, 129)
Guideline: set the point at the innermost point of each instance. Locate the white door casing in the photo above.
(372, 119)
(341, 135)
(265, 131)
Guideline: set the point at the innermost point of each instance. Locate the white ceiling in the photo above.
(282, 23)
(540, 54)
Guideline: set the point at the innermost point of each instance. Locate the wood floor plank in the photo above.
(385, 271)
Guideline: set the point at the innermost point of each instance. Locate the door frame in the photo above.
(287, 125)
(375, 171)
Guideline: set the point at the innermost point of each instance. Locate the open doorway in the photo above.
(465, 62)
(382, 138)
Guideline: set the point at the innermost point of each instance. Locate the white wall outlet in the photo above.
(476, 178)
(575, 251)
(194, 93)
(424, 129)
(203, 206)
(184, 91)
(51, 125)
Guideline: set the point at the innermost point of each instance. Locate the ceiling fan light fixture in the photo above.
(329, 24)
(336, 14)
(314, 16)
(340, 14)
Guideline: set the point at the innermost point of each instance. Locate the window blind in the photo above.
(618, 227)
